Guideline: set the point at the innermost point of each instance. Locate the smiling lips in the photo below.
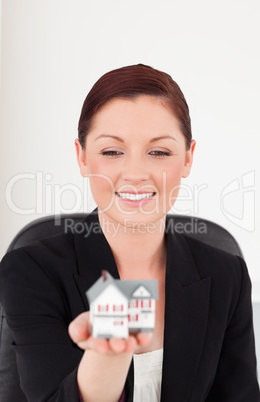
(138, 198)
(135, 196)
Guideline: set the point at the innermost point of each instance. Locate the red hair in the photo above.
(128, 83)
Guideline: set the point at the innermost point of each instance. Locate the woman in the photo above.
(135, 146)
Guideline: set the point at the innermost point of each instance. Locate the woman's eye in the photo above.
(159, 153)
(111, 153)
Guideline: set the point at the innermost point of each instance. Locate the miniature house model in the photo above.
(119, 307)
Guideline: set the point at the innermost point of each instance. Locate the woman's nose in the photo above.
(135, 170)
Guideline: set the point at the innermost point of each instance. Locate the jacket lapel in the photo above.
(93, 254)
(186, 316)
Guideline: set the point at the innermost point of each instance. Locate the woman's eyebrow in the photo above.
(162, 137)
(109, 136)
(115, 137)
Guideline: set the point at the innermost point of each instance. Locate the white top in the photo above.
(148, 376)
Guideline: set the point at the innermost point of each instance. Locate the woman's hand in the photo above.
(103, 369)
(80, 333)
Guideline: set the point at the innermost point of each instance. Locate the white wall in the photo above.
(54, 50)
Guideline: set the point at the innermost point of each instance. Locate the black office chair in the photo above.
(199, 228)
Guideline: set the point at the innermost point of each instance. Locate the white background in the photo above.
(52, 52)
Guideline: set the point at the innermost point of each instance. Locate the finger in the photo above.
(131, 344)
(97, 344)
(79, 329)
(117, 345)
(143, 338)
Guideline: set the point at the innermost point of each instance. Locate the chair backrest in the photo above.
(199, 228)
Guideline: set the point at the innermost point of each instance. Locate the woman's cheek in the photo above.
(101, 184)
(173, 182)
(101, 167)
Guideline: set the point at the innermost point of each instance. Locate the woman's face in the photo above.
(135, 157)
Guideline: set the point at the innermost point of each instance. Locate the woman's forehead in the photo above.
(144, 113)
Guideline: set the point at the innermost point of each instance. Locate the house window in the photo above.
(118, 307)
(133, 304)
(118, 323)
(133, 317)
(103, 307)
(146, 303)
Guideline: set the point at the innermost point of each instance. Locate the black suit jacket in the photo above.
(209, 350)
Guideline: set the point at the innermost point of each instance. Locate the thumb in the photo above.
(79, 329)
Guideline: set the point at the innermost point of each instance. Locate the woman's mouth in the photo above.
(135, 199)
(135, 196)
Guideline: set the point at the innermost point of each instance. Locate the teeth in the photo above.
(135, 197)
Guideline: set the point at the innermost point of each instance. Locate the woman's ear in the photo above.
(188, 159)
(81, 157)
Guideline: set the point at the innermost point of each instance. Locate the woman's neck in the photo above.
(139, 252)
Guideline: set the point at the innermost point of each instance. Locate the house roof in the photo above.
(130, 287)
(126, 287)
